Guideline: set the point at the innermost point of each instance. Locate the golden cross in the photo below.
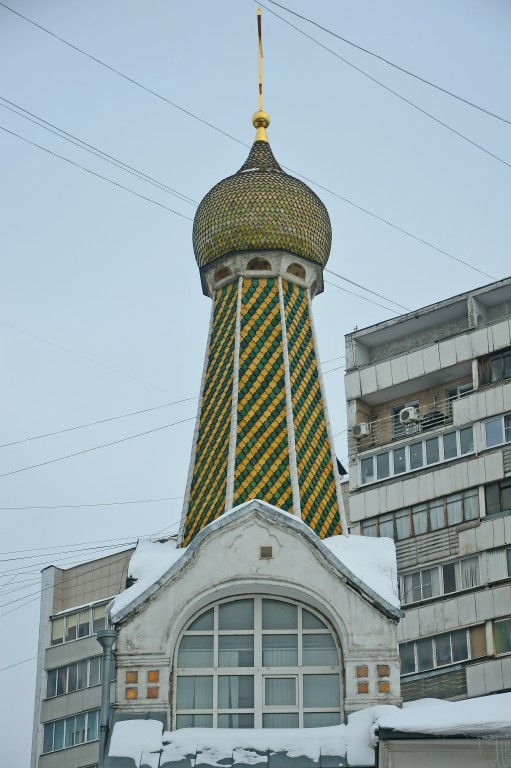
(260, 58)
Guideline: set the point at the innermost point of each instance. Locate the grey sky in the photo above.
(95, 269)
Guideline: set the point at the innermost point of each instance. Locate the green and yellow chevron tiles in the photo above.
(261, 466)
(318, 492)
(208, 488)
(262, 456)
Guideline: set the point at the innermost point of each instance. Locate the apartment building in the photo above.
(429, 422)
(68, 685)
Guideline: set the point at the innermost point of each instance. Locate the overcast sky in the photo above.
(110, 277)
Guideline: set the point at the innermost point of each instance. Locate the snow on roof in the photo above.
(353, 744)
(136, 738)
(372, 560)
(478, 717)
(150, 561)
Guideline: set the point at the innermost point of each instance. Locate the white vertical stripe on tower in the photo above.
(293, 468)
(231, 461)
(337, 479)
(186, 502)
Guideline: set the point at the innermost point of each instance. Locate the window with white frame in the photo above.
(416, 455)
(502, 635)
(440, 580)
(425, 517)
(70, 731)
(257, 663)
(456, 393)
(498, 497)
(74, 677)
(442, 650)
(497, 430)
(73, 626)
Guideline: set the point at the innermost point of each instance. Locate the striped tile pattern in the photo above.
(262, 458)
(318, 494)
(207, 493)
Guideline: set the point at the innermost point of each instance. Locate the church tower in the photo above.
(261, 239)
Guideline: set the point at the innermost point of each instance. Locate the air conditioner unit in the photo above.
(360, 430)
(408, 415)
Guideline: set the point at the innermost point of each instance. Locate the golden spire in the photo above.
(260, 120)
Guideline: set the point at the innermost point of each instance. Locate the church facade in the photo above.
(258, 622)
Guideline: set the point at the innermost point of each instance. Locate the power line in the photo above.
(352, 282)
(121, 74)
(84, 357)
(387, 88)
(341, 357)
(95, 448)
(95, 423)
(94, 150)
(339, 367)
(392, 64)
(98, 504)
(2, 669)
(244, 144)
(389, 309)
(93, 173)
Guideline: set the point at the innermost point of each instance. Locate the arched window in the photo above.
(258, 264)
(257, 663)
(222, 273)
(297, 270)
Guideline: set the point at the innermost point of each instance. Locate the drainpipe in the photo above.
(106, 639)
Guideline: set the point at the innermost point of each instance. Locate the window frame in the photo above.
(258, 671)
(66, 722)
(71, 619)
(67, 668)
(434, 639)
(505, 430)
(439, 568)
(427, 507)
(372, 474)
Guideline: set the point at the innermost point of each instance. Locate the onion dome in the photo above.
(261, 208)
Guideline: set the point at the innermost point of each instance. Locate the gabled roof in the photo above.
(127, 602)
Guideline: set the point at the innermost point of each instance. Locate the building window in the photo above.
(442, 650)
(74, 677)
(398, 428)
(440, 580)
(498, 497)
(70, 731)
(425, 517)
(419, 454)
(497, 430)
(499, 564)
(74, 626)
(495, 367)
(257, 662)
(502, 634)
(456, 393)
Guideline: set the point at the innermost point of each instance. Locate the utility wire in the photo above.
(98, 504)
(392, 64)
(95, 448)
(41, 123)
(95, 423)
(93, 173)
(389, 309)
(334, 369)
(387, 88)
(2, 669)
(341, 357)
(84, 357)
(121, 74)
(244, 144)
(352, 282)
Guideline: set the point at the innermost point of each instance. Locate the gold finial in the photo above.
(260, 120)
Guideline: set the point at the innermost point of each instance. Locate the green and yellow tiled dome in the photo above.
(261, 208)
